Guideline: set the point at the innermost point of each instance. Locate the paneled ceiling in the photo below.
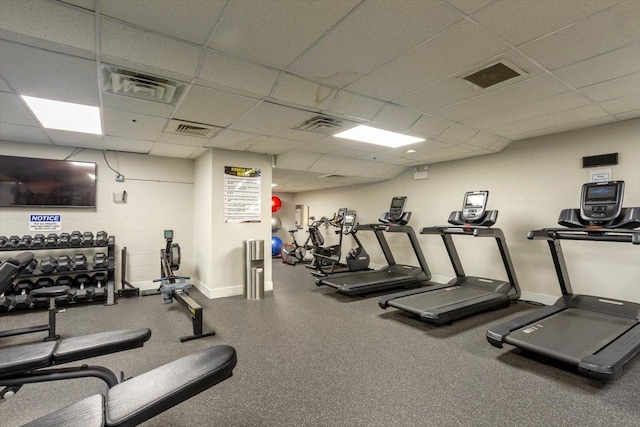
(252, 71)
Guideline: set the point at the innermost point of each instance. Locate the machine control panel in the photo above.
(601, 201)
(396, 210)
(349, 223)
(474, 205)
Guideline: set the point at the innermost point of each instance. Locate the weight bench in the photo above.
(126, 403)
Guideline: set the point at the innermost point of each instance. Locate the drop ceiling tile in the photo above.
(13, 111)
(275, 146)
(85, 4)
(300, 135)
(20, 133)
(213, 107)
(499, 145)
(469, 6)
(536, 108)
(269, 119)
(354, 105)
(483, 139)
(586, 37)
(325, 145)
(395, 117)
(614, 88)
(199, 152)
(4, 87)
(122, 41)
(457, 133)
(233, 139)
(521, 21)
(400, 161)
(395, 171)
(564, 128)
(622, 105)
(378, 157)
(328, 164)
(551, 120)
(377, 170)
(275, 32)
(237, 74)
(430, 61)
(454, 88)
(296, 160)
(629, 115)
(51, 21)
(429, 126)
(422, 147)
(444, 152)
(170, 150)
(136, 105)
(353, 167)
(75, 139)
(115, 143)
(533, 88)
(357, 46)
(352, 154)
(132, 125)
(193, 141)
(50, 75)
(192, 21)
(299, 91)
(604, 67)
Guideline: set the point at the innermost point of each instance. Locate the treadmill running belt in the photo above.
(571, 334)
(430, 300)
(372, 278)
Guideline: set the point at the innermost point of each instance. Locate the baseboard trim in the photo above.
(214, 293)
(536, 297)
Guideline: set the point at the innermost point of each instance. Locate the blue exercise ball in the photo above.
(276, 245)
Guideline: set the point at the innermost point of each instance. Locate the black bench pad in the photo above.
(88, 412)
(78, 348)
(50, 292)
(26, 357)
(147, 395)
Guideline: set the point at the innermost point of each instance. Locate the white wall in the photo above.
(286, 214)
(220, 258)
(529, 183)
(160, 196)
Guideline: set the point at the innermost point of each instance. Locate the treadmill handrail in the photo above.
(592, 234)
(476, 230)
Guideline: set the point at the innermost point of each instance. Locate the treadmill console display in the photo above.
(601, 201)
(397, 208)
(475, 203)
(340, 215)
(349, 223)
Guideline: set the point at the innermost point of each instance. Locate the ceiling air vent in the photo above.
(138, 85)
(492, 75)
(199, 130)
(332, 176)
(325, 125)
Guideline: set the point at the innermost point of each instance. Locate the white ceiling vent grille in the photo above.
(180, 127)
(138, 85)
(325, 125)
(332, 176)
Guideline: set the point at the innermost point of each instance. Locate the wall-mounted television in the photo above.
(29, 182)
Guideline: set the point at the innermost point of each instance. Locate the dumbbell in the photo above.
(64, 281)
(51, 240)
(99, 281)
(24, 242)
(63, 239)
(81, 292)
(79, 262)
(87, 238)
(64, 263)
(3, 240)
(30, 267)
(6, 302)
(22, 300)
(100, 260)
(48, 264)
(75, 239)
(38, 241)
(42, 282)
(12, 242)
(102, 238)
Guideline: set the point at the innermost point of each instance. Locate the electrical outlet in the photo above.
(120, 178)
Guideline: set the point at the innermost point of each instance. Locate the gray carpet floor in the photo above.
(308, 356)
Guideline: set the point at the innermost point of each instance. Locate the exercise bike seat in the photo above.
(145, 396)
(19, 359)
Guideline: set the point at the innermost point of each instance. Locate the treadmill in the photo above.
(464, 295)
(596, 335)
(392, 276)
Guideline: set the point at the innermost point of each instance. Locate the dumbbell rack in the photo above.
(110, 269)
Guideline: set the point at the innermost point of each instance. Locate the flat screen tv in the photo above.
(29, 182)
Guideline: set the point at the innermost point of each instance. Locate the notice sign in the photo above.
(241, 194)
(42, 223)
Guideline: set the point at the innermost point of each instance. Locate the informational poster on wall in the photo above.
(41, 223)
(242, 194)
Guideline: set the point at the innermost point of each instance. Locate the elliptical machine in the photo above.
(174, 287)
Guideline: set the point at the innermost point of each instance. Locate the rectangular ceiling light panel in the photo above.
(65, 115)
(372, 135)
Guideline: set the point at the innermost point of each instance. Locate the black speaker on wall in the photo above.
(600, 160)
